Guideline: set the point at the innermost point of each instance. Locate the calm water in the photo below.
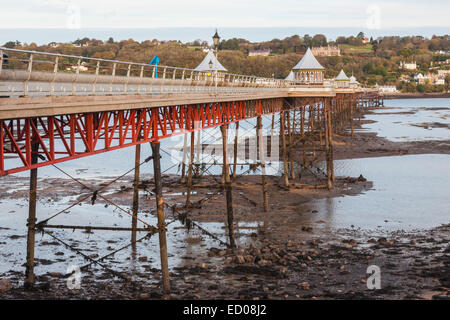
(409, 192)
(424, 119)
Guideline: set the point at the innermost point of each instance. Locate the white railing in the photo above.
(33, 73)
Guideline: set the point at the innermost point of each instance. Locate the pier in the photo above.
(49, 115)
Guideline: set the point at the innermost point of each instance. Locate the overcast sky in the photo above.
(226, 13)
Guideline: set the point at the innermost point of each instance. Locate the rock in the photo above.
(303, 285)
(203, 266)
(263, 263)
(214, 252)
(240, 259)
(248, 258)
(5, 285)
(142, 259)
(144, 296)
(193, 240)
(229, 260)
(222, 253)
(256, 298)
(361, 178)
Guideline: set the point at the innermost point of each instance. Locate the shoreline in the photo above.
(392, 96)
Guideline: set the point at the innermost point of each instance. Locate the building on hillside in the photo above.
(263, 53)
(81, 68)
(443, 72)
(327, 51)
(408, 65)
(386, 88)
(342, 81)
(365, 40)
(308, 70)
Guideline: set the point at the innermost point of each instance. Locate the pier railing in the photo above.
(33, 73)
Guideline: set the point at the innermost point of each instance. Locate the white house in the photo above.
(408, 65)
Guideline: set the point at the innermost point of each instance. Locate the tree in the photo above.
(360, 35)
(12, 44)
(110, 40)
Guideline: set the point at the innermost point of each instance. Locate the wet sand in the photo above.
(287, 254)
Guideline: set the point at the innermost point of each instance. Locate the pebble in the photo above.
(5, 285)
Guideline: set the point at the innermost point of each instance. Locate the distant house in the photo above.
(82, 67)
(408, 65)
(443, 72)
(53, 44)
(327, 51)
(365, 40)
(387, 89)
(264, 53)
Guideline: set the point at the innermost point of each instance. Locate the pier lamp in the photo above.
(216, 40)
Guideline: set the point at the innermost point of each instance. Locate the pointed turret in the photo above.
(308, 62)
(210, 63)
(308, 70)
(341, 76)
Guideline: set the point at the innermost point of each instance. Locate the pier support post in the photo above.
(137, 161)
(283, 142)
(183, 163)
(161, 217)
(291, 160)
(262, 159)
(235, 151)
(31, 221)
(191, 162)
(228, 191)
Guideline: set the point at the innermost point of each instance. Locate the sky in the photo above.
(411, 15)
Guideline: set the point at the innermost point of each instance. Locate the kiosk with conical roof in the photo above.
(308, 70)
(353, 82)
(210, 63)
(342, 81)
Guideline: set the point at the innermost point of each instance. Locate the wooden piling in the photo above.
(228, 190)
(137, 161)
(191, 162)
(283, 142)
(161, 217)
(291, 160)
(31, 221)
(235, 151)
(327, 142)
(183, 164)
(262, 159)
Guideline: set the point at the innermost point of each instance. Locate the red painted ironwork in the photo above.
(66, 137)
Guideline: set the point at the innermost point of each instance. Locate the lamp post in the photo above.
(216, 39)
